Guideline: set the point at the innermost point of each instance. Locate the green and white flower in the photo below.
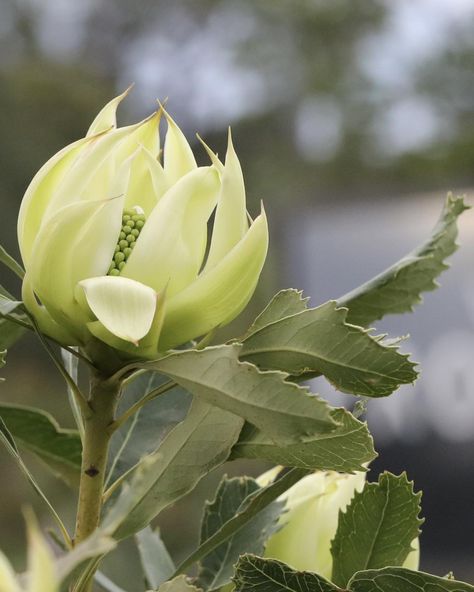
(115, 242)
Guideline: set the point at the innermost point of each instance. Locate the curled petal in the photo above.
(8, 581)
(178, 156)
(147, 181)
(78, 242)
(40, 192)
(106, 118)
(125, 307)
(42, 575)
(218, 295)
(171, 245)
(230, 223)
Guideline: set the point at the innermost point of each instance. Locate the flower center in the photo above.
(132, 223)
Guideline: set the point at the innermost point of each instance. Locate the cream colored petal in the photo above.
(40, 191)
(106, 118)
(220, 294)
(8, 581)
(171, 245)
(93, 173)
(230, 223)
(413, 559)
(178, 156)
(146, 134)
(212, 155)
(125, 307)
(147, 182)
(42, 575)
(78, 242)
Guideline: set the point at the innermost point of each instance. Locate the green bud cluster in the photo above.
(132, 223)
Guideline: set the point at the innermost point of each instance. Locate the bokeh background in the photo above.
(352, 120)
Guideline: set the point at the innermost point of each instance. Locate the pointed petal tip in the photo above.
(212, 155)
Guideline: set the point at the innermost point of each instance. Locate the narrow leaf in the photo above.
(157, 564)
(318, 340)
(190, 451)
(345, 449)
(10, 262)
(282, 410)
(398, 289)
(232, 497)
(254, 504)
(142, 433)
(7, 440)
(254, 574)
(38, 432)
(398, 579)
(377, 528)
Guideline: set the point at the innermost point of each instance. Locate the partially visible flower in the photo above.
(115, 243)
(41, 575)
(310, 523)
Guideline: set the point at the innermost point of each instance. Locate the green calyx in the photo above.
(132, 223)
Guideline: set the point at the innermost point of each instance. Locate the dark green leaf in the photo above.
(144, 431)
(232, 497)
(377, 528)
(253, 505)
(157, 564)
(38, 432)
(254, 574)
(398, 579)
(283, 410)
(398, 289)
(189, 452)
(318, 340)
(345, 449)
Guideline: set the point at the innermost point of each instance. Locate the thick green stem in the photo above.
(98, 419)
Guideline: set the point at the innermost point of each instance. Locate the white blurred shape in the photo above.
(318, 128)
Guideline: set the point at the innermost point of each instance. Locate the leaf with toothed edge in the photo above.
(345, 449)
(399, 579)
(377, 528)
(232, 497)
(284, 411)
(398, 289)
(319, 340)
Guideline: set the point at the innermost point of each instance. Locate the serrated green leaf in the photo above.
(38, 432)
(398, 289)
(189, 452)
(254, 504)
(157, 564)
(318, 340)
(377, 528)
(10, 262)
(144, 431)
(179, 584)
(282, 410)
(231, 498)
(254, 574)
(346, 449)
(284, 304)
(8, 441)
(398, 579)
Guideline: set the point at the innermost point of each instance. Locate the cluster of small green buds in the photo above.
(132, 223)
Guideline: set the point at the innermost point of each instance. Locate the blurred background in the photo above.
(351, 119)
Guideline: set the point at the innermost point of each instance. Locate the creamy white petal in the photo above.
(42, 575)
(125, 307)
(107, 116)
(178, 156)
(230, 223)
(171, 246)
(219, 294)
